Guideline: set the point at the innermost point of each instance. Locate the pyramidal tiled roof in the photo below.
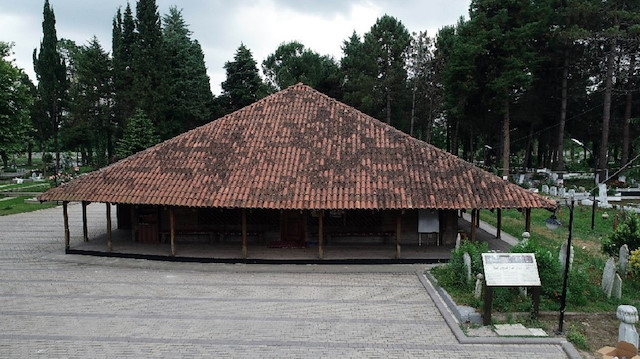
(297, 149)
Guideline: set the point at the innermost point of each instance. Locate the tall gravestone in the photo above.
(562, 255)
(602, 194)
(467, 265)
(477, 293)
(624, 259)
(553, 190)
(545, 189)
(616, 290)
(608, 275)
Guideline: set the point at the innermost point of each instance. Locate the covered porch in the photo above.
(272, 236)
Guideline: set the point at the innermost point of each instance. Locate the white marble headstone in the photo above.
(562, 255)
(602, 193)
(608, 275)
(616, 291)
(624, 259)
(467, 264)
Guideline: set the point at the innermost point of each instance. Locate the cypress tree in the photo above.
(50, 71)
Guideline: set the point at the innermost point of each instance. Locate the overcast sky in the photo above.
(220, 26)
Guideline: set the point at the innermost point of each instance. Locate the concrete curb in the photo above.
(448, 311)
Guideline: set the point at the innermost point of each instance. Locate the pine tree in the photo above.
(150, 66)
(138, 135)
(358, 72)
(189, 90)
(388, 42)
(123, 46)
(292, 63)
(95, 98)
(51, 74)
(243, 85)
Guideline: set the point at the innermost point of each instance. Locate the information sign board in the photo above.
(510, 270)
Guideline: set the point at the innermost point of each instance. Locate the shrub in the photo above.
(549, 269)
(634, 264)
(456, 263)
(628, 233)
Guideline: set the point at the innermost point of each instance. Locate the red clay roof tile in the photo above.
(297, 149)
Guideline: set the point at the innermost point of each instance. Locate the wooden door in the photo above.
(292, 226)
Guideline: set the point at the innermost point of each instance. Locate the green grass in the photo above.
(588, 262)
(17, 205)
(25, 187)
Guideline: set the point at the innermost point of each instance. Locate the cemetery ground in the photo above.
(590, 320)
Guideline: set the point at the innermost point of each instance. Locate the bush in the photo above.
(634, 264)
(549, 269)
(456, 263)
(628, 233)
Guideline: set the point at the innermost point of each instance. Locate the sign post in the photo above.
(509, 270)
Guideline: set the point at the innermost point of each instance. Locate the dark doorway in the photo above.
(292, 229)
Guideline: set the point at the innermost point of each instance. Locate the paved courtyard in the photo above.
(68, 306)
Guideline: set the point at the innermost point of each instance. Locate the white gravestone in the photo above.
(624, 259)
(545, 189)
(562, 192)
(572, 193)
(602, 194)
(467, 264)
(553, 190)
(627, 332)
(478, 290)
(525, 238)
(458, 241)
(616, 291)
(562, 255)
(608, 274)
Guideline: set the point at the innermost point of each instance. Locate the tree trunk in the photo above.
(528, 148)
(606, 112)
(563, 114)
(627, 112)
(388, 107)
(30, 154)
(413, 112)
(429, 122)
(454, 138)
(505, 135)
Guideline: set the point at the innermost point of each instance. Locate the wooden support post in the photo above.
(536, 302)
(488, 301)
(527, 219)
(172, 230)
(244, 233)
(478, 218)
(320, 235)
(398, 233)
(65, 215)
(474, 214)
(109, 245)
(499, 223)
(85, 230)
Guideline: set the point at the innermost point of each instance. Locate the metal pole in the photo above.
(563, 299)
(593, 206)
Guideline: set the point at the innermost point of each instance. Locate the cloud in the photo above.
(220, 26)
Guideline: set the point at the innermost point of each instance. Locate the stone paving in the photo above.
(67, 306)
